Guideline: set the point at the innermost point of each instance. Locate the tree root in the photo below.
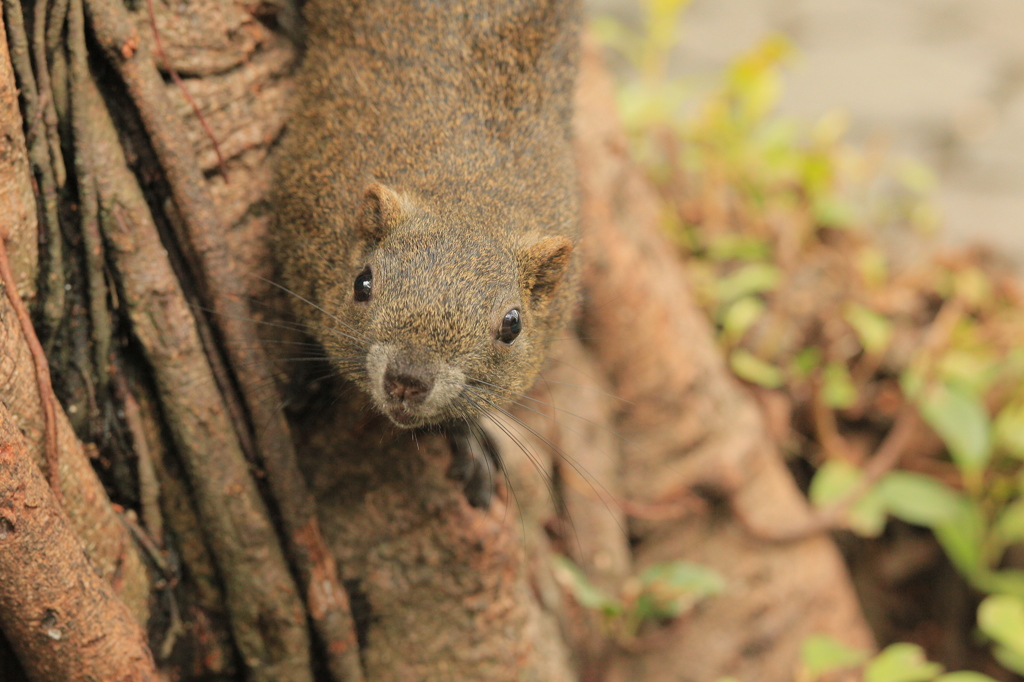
(17, 201)
(149, 482)
(39, 154)
(690, 427)
(42, 367)
(324, 596)
(63, 620)
(266, 615)
(85, 173)
(110, 547)
(46, 98)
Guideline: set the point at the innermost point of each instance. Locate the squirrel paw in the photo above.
(474, 463)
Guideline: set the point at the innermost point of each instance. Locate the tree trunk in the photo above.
(150, 481)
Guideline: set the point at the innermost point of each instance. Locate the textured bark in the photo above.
(17, 204)
(441, 589)
(106, 539)
(563, 460)
(236, 521)
(63, 620)
(216, 271)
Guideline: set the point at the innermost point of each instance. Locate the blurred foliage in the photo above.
(900, 662)
(806, 252)
(662, 592)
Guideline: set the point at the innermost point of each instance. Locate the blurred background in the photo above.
(827, 168)
(940, 80)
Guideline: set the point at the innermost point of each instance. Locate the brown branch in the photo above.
(42, 368)
(20, 226)
(55, 24)
(325, 599)
(39, 155)
(88, 202)
(64, 621)
(149, 483)
(47, 112)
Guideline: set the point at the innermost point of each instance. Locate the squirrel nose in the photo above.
(407, 387)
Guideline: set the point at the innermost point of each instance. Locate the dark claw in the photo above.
(474, 463)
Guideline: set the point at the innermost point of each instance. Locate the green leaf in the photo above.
(740, 317)
(973, 370)
(1010, 522)
(588, 595)
(750, 279)
(918, 499)
(614, 34)
(666, 10)
(834, 481)
(831, 128)
(837, 386)
(901, 662)
(833, 211)
(925, 218)
(749, 367)
(962, 538)
(1001, 617)
(964, 676)
(912, 381)
(806, 361)
(873, 330)
(867, 516)
(777, 145)
(822, 654)
(1007, 581)
(670, 589)
(738, 247)
(872, 265)
(962, 423)
(916, 176)
(1009, 429)
(973, 286)
(1010, 660)
(754, 79)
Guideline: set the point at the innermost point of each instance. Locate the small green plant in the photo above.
(661, 592)
(902, 662)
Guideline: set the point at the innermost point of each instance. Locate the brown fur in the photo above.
(431, 142)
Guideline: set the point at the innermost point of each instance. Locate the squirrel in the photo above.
(426, 201)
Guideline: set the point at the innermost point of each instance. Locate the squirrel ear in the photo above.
(542, 265)
(383, 209)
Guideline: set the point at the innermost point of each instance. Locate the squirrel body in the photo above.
(425, 198)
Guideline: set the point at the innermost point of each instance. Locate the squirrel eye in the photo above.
(511, 325)
(364, 285)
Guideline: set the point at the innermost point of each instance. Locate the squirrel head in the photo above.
(437, 320)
